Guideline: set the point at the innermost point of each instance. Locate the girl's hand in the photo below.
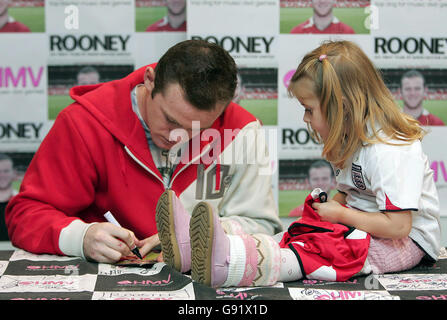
(146, 245)
(330, 211)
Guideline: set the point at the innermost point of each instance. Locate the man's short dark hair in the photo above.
(205, 72)
(412, 74)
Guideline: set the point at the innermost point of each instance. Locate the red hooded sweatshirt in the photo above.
(96, 159)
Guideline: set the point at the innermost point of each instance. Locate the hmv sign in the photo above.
(21, 77)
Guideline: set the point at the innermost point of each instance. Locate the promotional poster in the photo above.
(75, 42)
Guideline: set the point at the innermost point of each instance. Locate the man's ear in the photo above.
(149, 78)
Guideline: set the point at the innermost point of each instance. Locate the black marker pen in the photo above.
(109, 217)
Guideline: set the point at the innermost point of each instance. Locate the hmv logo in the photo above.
(439, 171)
(20, 77)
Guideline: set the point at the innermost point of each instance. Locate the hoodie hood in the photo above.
(110, 104)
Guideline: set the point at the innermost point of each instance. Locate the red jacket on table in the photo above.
(326, 251)
(96, 159)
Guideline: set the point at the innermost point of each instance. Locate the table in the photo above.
(48, 277)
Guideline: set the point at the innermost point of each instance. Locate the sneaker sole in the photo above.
(164, 218)
(201, 234)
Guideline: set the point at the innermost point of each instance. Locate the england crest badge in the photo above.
(357, 177)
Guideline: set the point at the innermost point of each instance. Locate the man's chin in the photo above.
(163, 143)
(413, 106)
(323, 13)
(177, 12)
(163, 146)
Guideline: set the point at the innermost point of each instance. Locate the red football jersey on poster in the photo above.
(335, 27)
(14, 26)
(163, 25)
(430, 120)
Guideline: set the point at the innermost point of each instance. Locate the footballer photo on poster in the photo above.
(12, 169)
(257, 92)
(61, 78)
(422, 93)
(324, 17)
(297, 178)
(160, 15)
(22, 16)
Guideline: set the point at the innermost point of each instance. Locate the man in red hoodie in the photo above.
(121, 144)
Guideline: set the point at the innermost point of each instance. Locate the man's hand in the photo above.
(105, 242)
(330, 211)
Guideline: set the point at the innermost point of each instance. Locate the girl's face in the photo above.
(304, 90)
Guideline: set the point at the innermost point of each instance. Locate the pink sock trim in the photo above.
(251, 261)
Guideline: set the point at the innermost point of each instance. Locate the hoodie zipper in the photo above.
(143, 165)
(155, 175)
(205, 149)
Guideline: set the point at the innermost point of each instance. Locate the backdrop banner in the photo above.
(49, 46)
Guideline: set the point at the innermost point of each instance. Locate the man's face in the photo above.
(88, 78)
(176, 7)
(413, 92)
(169, 111)
(6, 174)
(321, 178)
(323, 7)
(3, 6)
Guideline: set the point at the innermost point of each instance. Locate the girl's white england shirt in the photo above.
(384, 177)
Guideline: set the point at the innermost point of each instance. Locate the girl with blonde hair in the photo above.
(385, 183)
(385, 217)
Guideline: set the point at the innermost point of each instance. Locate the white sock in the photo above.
(237, 261)
(290, 269)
